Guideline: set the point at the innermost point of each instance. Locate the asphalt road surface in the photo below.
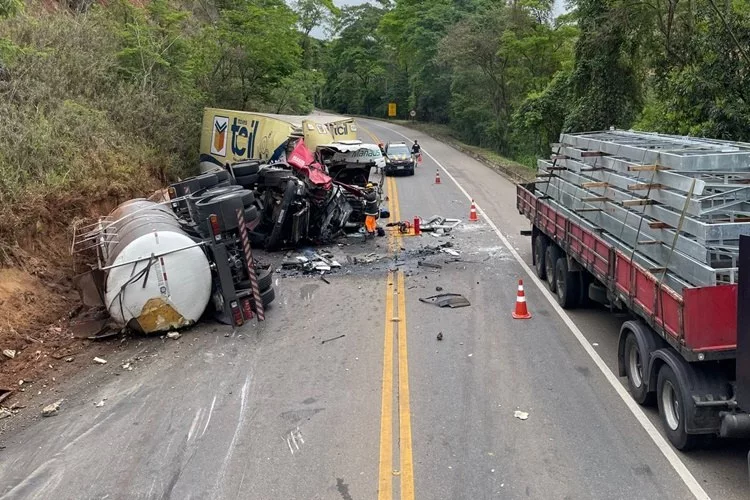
(385, 410)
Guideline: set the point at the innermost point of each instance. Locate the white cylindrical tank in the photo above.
(157, 278)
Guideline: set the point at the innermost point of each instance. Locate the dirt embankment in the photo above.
(40, 338)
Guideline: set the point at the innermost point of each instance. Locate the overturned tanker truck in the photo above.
(161, 264)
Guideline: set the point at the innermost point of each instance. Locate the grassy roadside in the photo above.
(517, 172)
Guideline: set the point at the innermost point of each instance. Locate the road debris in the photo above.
(174, 335)
(452, 300)
(430, 265)
(440, 336)
(9, 353)
(331, 339)
(127, 366)
(5, 413)
(439, 225)
(5, 392)
(521, 415)
(450, 251)
(69, 360)
(99, 404)
(51, 409)
(100, 361)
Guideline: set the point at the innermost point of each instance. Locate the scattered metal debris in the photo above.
(521, 415)
(422, 263)
(100, 361)
(439, 225)
(51, 409)
(450, 251)
(452, 300)
(331, 339)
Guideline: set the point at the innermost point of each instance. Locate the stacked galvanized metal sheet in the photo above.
(677, 205)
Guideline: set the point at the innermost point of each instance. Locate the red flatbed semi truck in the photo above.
(687, 352)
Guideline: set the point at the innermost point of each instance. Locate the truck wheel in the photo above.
(636, 365)
(672, 410)
(539, 246)
(245, 168)
(247, 180)
(551, 256)
(568, 285)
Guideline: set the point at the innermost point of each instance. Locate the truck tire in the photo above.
(636, 370)
(267, 296)
(251, 214)
(245, 168)
(669, 396)
(568, 285)
(551, 256)
(265, 280)
(247, 180)
(539, 247)
(274, 177)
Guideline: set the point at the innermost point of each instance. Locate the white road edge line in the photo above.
(666, 449)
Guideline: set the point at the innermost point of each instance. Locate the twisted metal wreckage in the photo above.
(161, 264)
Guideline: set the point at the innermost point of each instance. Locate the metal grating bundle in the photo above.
(677, 205)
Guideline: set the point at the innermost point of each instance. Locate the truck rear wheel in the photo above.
(568, 285)
(540, 247)
(672, 410)
(551, 256)
(636, 365)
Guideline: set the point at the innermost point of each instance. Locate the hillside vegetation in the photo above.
(509, 76)
(100, 102)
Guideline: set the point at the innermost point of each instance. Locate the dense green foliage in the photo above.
(510, 76)
(103, 100)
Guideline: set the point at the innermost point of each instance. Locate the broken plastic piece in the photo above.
(452, 300)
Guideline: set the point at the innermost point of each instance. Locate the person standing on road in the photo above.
(371, 209)
(416, 150)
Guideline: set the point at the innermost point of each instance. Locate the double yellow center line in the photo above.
(395, 351)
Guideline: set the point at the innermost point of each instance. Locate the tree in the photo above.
(247, 53)
(604, 85)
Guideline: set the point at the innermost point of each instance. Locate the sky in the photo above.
(319, 33)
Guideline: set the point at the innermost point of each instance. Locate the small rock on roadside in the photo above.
(5, 413)
(174, 335)
(9, 353)
(100, 361)
(69, 360)
(99, 404)
(51, 409)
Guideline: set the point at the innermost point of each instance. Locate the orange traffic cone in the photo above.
(473, 217)
(521, 311)
(437, 176)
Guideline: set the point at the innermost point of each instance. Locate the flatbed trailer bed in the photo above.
(694, 333)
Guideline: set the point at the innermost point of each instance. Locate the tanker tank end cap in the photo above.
(159, 316)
